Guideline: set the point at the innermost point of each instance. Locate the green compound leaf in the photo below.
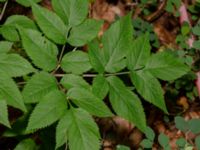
(117, 42)
(96, 56)
(5, 46)
(42, 52)
(72, 12)
(80, 129)
(71, 80)
(27, 3)
(38, 86)
(166, 66)
(100, 86)
(125, 103)
(76, 62)
(84, 33)
(52, 26)
(27, 144)
(149, 88)
(10, 92)
(8, 30)
(139, 54)
(87, 100)
(50, 109)
(14, 65)
(62, 8)
(62, 129)
(4, 114)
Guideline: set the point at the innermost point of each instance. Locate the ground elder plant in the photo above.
(63, 88)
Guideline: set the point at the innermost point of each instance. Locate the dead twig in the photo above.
(157, 13)
(3, 10)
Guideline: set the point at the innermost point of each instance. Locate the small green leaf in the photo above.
(149, 88)
(196, 44)
(139, 54)
(88, 29)
(71, 80)
(80, 129)
(100, 86)
(194, 126)
(197, 142)
(62, 130)
(27, 144)
(189, 148)
(87, 100)
(196, 30)
(185, 29)
(96, 56)
(27, 3)
(117, 41)
(50, 109)
(52, 26)
(8, 30)
(181, 142)
(42, 52)
(76, 62)
(169, 6)
(4, 114)
(125, 103)
(10, 92)
(163, 140)
(62, 8)
(181, 124)
(149, 133)
(38, 86)
(5, 46)
(146, 143)
(72, 12)
(122, 147)
(167, 147)
(166, 66)
(14, 65)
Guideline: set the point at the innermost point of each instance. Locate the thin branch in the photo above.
(3, 10)
(61, 54)
(84, 75)
(21, 83)
(94, 75)
(59, 59)
(158, 12)
(117, 74)
(89, 75)
(74, 49)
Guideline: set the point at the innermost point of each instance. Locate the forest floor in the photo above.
(167, 26)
